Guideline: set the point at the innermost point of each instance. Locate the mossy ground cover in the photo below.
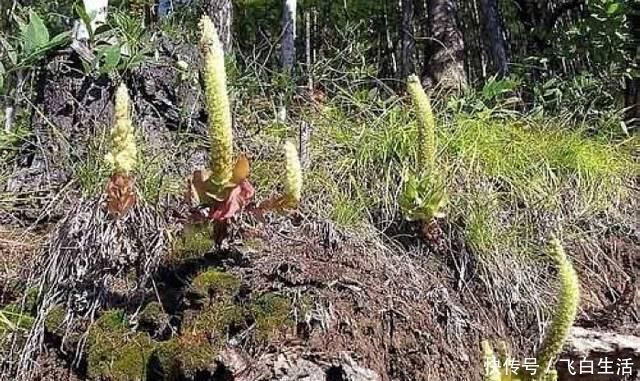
(117, 351)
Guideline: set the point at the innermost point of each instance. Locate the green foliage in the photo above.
(509, 159)
(121, 45)
(495, 97)
(11, 140)
(181, 24)
(423, 198)
(536, 161)
(152, 180)
(582, 97)
(603, 34)
(34, 35)
(13, 319)
(32, 44)
(348, 210)
(480, 224)
(91, 172)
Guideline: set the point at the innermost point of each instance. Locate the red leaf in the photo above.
(235, 201)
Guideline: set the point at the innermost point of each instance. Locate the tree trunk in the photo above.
(4, 15)
(492, 24)
(97, 12)
(445, 59)
(632, 96)
(307, 50)
(406, 33)
(165, 7)
(288, 52)
(221, 13)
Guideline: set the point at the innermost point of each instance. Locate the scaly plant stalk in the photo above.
(492, 367)
(426, 127)
(122, 157)
(293, 179)
(217, 101)
(566, 309)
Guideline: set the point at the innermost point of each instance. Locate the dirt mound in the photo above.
(305, 300)
(302, 300)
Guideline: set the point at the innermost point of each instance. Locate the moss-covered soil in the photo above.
(403, 313)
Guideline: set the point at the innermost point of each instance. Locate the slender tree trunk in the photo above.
(97, 11)
(408, 43)
(445, 59)
(288, 52)
(4, 14)
(390, 50)
(307, 50)
(165, 7)
(632, 96)
(422, 34)
(494, 41)
(221, 12)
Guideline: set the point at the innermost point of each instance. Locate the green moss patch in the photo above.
(271, 313)
(215, 283)
(116, 354)
(152, 312)
(55, 318)
(215, 321)
(204, 334)
(195, 241)
(184, 356)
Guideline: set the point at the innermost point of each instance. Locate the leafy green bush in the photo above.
(34, 42)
